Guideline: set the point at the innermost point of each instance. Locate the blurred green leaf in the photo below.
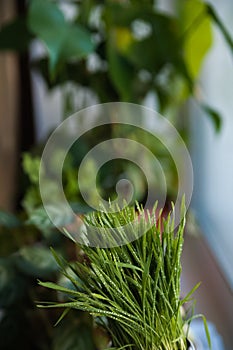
(134, 31)
(80, 208)
(77, 43)
(121, 72)
(47, 22)
(122, 13)
(139, 30)
(214, 116)
(31, 167)
(8, 220)
(162, 44)
(63, 39)
(197, 34)
(73, 336)
(36, 261)
(40, 218)
(15, 36)
(31, 199)
(213, 14)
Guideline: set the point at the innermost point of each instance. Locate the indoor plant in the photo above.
(132, 291)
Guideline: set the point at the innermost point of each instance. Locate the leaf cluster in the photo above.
(132, 290)
(119, 50)
(24, 257)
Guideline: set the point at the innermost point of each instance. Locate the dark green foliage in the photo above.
(12, 284)
(138, 48)
(63, 40)
(161, 62)
(8, 220)
(24, 257)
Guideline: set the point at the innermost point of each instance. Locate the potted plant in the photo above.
(133, 290)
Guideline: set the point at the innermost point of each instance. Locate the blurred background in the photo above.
(58, 57)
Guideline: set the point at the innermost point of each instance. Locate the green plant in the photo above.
(133, 290)
(115, 51)
(24, 257)
(119, 50)
(164, 62)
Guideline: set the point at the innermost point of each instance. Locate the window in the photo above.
(213, 152)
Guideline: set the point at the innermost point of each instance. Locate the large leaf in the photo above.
(63, 39)
(8, 220)
(39, 218)
(36, 261)
(61, 217)
(196, 32)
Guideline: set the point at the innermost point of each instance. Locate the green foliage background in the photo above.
(136, 50)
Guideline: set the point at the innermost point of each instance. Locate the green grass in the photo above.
(132, 290)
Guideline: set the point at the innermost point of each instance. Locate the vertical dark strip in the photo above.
(26, 120)
(26, 127)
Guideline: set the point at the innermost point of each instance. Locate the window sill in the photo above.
(214, 296)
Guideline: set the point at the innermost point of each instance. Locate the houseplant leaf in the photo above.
(196, 33)
(36, 261)
(213, 14)
(214, 116)
(8, 220)
(63, 39)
